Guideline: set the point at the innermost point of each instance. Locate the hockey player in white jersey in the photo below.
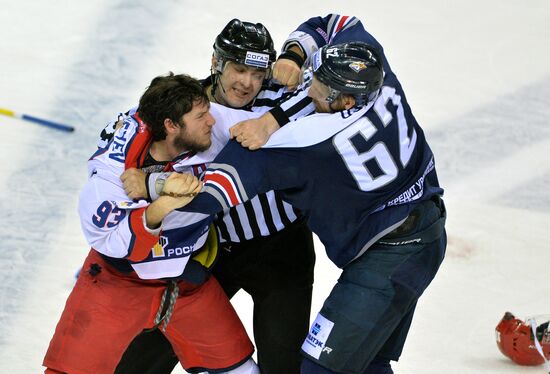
(146, 268)
(266, 249)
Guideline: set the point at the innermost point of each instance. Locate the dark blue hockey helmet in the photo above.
(353, 68)
(245, 43)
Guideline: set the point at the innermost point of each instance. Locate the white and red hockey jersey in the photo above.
(114, 225)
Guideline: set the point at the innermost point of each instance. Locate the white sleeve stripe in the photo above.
(258, 212)
(241, 211)
(274, 211)
(230, 228)
(289, 211)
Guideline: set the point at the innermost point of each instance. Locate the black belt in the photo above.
(406, 232)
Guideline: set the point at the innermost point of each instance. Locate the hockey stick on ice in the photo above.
(40, 121)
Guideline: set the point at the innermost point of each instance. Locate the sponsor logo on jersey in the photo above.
(415, 191)
(357, 66)
(158, 249)
(257, 60)
(161, 249)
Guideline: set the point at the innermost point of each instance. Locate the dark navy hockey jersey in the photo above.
(332, 29)
(356, 175)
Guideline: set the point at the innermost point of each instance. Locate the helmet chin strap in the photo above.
(333, 110)
(218, 83)
(215, 72)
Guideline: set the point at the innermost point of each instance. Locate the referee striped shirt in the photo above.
(267, 213)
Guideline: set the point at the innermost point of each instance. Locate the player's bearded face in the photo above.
(239, 84)
(195, 129)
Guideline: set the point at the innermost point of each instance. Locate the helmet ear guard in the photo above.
(218, 66)
(525, 343)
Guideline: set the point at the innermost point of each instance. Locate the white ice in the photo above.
(476, 73)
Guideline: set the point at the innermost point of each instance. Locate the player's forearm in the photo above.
(178, 190)
(270, 123)
(155, 213)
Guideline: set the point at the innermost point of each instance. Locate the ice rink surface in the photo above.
(476, 73)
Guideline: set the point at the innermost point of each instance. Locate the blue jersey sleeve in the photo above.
(237, 175)
(332, 29)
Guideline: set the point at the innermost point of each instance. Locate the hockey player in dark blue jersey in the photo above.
(299, 47)
(363, 174)
(312, 35)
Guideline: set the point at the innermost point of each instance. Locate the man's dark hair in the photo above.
(171, 97)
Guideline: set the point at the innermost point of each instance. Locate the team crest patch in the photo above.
(317, 337)
(357, 66)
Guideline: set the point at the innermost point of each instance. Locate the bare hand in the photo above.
(287, 72)
(254, 133)
(181, 185)
(133, 181)
(178, 191)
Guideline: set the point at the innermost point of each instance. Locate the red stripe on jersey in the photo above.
(140, 145)
(169, 166)
(142, 240)
(225, 183)
(199, 169)
(341, 23)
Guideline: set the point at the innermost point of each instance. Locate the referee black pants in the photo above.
(277, 272)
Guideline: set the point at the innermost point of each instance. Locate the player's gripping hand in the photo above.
(178, 191)
(181, 186)
(133, 181)
(254, 133)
